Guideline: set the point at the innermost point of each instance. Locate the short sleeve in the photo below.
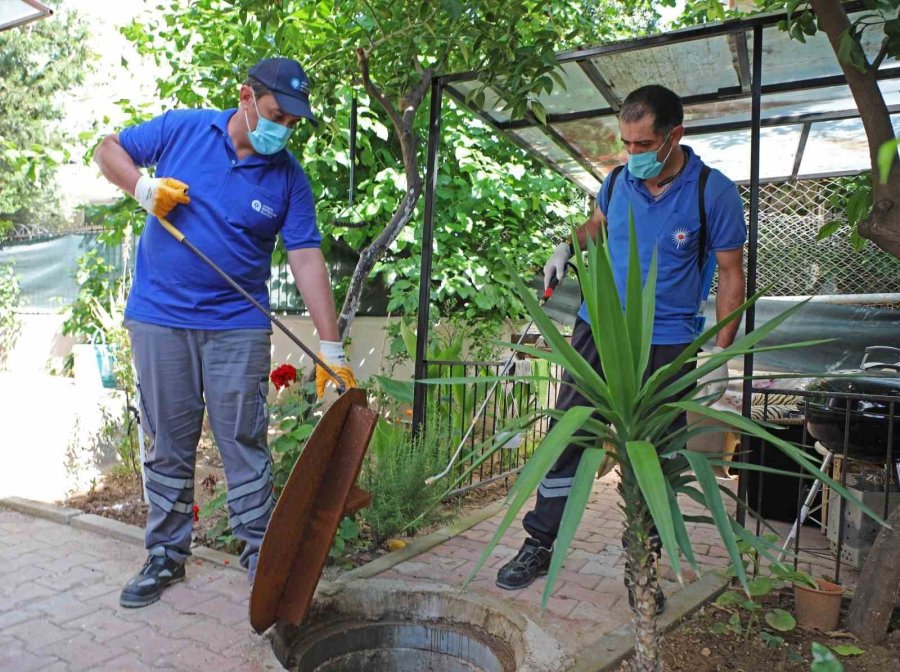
(144, 142)
(727, 230)
(300, 229)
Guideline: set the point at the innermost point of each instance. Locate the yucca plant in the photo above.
(629, 420)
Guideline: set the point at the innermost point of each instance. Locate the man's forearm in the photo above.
(116, 165)
(311, 278)
(590, 230)
(729, 296)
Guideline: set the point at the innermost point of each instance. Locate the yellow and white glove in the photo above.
(556, 264)
(712, 386)
(332, 352)
(159, 195)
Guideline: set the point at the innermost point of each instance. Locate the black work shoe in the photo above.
(147, 585)
(532, 561)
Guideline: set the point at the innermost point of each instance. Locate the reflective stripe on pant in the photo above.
(181, 371)
(542, 522)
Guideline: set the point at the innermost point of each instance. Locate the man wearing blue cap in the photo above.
(197, 344)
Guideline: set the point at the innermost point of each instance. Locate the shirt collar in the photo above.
(220, 123)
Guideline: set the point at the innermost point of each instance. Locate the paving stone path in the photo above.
(59, 608)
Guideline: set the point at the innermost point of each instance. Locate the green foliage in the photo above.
(10, 321)
(824, 660)
(852, 197)
(294, 415)
(395, 470)
(98, 282)
(38, 62)
(802, 23)
(347, 534)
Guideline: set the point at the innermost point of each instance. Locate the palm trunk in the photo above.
(640, 574)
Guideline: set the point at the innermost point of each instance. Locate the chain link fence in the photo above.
(791, 262)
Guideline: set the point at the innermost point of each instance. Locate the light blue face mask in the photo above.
(646, 164)
(269, 137)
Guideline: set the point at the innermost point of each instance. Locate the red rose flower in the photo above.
(196, 513)
(283, 376)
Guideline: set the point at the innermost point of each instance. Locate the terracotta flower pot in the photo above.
(820, 608)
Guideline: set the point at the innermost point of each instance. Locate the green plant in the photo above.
(629, 419)
(824, 660)
(10, 320)
(394, 470)
(347, 534)
(220, 533)
(293, 415)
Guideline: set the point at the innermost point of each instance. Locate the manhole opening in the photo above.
(400, 646)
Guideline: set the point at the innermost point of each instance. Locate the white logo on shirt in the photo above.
(262, 208)
(680, 238)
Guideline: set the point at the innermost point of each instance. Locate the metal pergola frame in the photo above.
(41, 11)
(750, 77)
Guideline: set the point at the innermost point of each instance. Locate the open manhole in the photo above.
(351, 647)
(390, 626)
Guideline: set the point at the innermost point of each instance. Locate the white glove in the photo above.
(712, 386)
(556, 265)
(158, 195)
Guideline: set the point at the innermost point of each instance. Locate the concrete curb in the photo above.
(108, 527)
(609, 651)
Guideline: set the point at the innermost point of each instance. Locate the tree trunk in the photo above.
(640, 574)
(878, 588)
(883, 225)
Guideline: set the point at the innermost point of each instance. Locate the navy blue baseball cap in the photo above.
(288, 83)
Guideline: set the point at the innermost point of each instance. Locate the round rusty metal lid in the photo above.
(306, 517)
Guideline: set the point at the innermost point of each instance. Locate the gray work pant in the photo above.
(181, 371)
(542, 522)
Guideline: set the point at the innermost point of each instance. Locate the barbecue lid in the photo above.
(883, 383)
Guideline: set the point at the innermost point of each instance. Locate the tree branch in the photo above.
(363, 58)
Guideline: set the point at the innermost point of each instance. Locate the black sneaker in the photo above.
(146, 586)
(532, 561)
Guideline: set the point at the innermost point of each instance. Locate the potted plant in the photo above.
(628, 421)
(817, 603)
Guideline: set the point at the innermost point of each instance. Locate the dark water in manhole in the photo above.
(403, 647)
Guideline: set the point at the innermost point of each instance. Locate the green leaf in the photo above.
(399, 390)
(644, 463)
(713, 499)
(770, 640)
(824, 660)
(729, 598)
(761, 585)
(847, 650)
(887, 156)
(780, 620)
(576, 503)
(828, 229)
(718, 628)
(538, 465)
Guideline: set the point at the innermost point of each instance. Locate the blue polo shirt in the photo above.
(671, 225)
(237, 209)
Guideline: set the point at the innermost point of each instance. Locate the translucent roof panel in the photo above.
(564, 162)
(710, 67)
(691, 68)
(838, 146)
(730, 151)
(578, 96)
(787, 60)
(597, 140)
(493, 104)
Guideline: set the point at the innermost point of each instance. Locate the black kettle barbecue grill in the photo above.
(865, 410)
(869, 423)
